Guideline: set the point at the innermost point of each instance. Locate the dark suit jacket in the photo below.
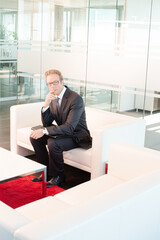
(71, 119)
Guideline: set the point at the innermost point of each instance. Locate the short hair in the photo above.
(54, 71)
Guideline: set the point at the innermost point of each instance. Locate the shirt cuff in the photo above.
(44, 109)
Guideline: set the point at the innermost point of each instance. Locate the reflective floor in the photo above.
(5, 124)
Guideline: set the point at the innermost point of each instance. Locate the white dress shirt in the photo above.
(60, 101)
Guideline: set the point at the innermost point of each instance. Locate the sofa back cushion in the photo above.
(128, 161)
(97, 118)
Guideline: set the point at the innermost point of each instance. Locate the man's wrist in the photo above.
(44, 108)
(45, 131)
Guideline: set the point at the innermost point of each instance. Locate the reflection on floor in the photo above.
(5, 123)
(152, 137)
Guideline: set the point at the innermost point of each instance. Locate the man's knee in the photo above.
(34, 141)
(53, 145)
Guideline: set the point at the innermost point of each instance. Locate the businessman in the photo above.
(64, 128)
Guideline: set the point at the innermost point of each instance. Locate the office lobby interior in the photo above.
(109, 53)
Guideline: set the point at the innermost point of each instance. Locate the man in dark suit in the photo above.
(66, 108)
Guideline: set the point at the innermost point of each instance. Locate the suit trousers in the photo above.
(53, 158)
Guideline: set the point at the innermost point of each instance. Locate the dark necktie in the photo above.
(57, 103)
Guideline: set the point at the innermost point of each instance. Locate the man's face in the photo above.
(54, 84)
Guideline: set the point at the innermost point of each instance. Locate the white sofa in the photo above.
(105, 128)
(121, 205)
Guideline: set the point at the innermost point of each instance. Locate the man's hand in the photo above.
(50, 96)
(37, 134)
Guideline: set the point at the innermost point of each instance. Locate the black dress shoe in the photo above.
(37, 179)
(57, 181)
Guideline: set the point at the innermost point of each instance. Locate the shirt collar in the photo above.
(62, 93)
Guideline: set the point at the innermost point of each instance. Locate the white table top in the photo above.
(13, 165)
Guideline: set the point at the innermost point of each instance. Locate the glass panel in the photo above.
(8, 67)
(65, 47)
(102, 39)
(152, 103)
(29, 50)
(54, 36)
(8, 54)
(117, 52)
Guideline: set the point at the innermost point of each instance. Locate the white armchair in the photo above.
(105, 128)
(123, 204)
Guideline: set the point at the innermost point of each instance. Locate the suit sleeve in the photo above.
(75, 110)
(47, 118)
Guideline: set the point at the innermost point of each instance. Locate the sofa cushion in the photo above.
(88, 190)
(104, 118)
(10, 220)
(43, 208)
(78, 155)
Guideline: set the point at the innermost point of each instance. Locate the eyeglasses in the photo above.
(53, 83)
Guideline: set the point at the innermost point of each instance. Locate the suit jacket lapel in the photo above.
(54, 110)
(64, 101)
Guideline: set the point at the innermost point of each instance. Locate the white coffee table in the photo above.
(13, 166)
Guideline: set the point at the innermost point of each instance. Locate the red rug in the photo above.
(21, 191)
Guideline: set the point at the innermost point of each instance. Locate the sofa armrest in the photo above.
(24, 115)
(10, 220)
(132, 132)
